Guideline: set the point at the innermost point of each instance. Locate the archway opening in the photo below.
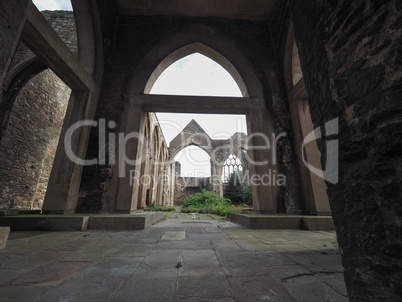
(193, 172)
(196, 74)
(194, 162)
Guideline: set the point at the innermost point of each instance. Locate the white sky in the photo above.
(197, 74)
(53, 4)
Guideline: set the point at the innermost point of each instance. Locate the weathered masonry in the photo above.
(329, 66)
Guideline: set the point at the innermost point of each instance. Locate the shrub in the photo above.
(208, 202)
(237, 190)
(247, 196)
(205, 199)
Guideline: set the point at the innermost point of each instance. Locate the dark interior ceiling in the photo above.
(240, 9)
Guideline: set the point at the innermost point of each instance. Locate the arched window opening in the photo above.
(232, 164)
(196, 74)
(194, 162)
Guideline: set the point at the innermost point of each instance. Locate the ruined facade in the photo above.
(300, 65)
(218, 151)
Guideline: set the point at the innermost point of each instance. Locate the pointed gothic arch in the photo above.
(252, 104)
(192, 48)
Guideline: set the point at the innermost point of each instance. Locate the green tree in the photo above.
(235, 190)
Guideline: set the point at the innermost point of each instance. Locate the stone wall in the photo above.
(32, 124)
(350, 55)
(29, 143)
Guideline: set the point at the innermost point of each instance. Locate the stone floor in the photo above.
(178, 259)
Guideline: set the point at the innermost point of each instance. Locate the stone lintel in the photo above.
(196, 104)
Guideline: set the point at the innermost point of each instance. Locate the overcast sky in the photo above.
(53, 4)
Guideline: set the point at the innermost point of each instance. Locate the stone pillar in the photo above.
(351, 65)
(154, 175)
(265, 194)
(64, 183)
(216, 174)
(145, 177)
(12, 20)
(314, 187)
(159, 182)
(172, 179)
(130, 159)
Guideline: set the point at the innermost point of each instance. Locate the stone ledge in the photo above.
(260, 221)
(81, 222)
(46, 222)
(318, 223)
(124, 221)
(4, 232)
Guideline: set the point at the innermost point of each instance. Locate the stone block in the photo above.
(317, 223)
(11, 212)
(4, 232)
(124, 221)
(259, 221)
(46, 222)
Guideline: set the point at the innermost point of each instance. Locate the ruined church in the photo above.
(321, 85)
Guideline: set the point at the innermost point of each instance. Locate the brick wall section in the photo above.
(30, 141)
(351, 59)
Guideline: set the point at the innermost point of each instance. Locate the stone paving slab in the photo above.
(132, 250)
(114, 267)
(207, 236)
(195, 230)
(203, 299)
(208, 263)
(318, 263)
(258, 288)
(101, 288)
(148, 284)
(52, 274)
(213, 286)
(184, 244)
(225, 245)
(336, 281)
(313, 292)
(174, 235)
(199, 263)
